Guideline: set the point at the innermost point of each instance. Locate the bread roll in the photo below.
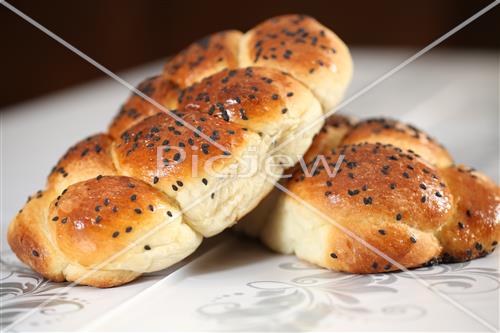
(411, 203)
(142, 196)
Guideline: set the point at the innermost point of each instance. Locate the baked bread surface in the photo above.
(411, 205)
(141, 197)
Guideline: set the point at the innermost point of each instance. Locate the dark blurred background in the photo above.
(124, 33)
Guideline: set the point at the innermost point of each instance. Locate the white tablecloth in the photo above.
(237, 285)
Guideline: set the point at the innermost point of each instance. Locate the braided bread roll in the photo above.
(139, 198)
(397, 189)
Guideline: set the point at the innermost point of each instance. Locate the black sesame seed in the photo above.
(133, 197)
(155, 180)
(469, 213)
(478, 246)
(406, 175)
(438, 194)
(387, 267)
(413, 239)
(175, 188)
(98, 219)
(179, 183)
(381, 231)
(352, 164)
(115, 234)
(138, 211)
(461, 225)
(64, 220)
(275, 97)
(169, 213)
(494, 243)
(284, 110)
(333, 255)
(392, 186)
(55, 218)
(106, 202)
(204, 181)
(352, 192)
(128, 229)
(224, 115)
(114, 209)
(422, 186)
(290, 94)
(367, 200)
(423, 199)
(374, 265)
(147, 247)
(398, 217)
(35, 253)
(99, 177)
(151, 208)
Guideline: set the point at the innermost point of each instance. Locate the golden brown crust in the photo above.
(95, 219)
(28, 241)
(204, 58)
(414, 208)
(243, 96)
(301, 46)
(255, 97)
(400, 135)
(405, 245)
(137, 108)
(377, 182)
(137, 151)
(88, 209)
(474, 230)
(86, 159)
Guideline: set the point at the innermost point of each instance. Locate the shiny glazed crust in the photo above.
(303, 47)
(398, 200)
(126, 202)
